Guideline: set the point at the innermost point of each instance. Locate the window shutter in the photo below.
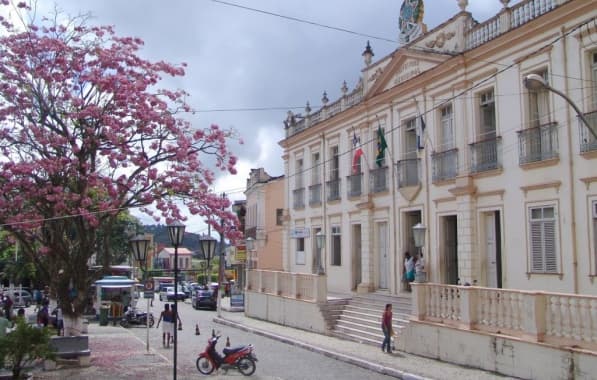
(536, 248)
(551, 260)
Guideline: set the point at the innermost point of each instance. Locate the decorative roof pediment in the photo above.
(404, 65)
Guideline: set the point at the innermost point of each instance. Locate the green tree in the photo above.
(15, 267)
(24, 346)
(113, 240)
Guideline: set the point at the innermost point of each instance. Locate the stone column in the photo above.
(367, 252)
(468, 260)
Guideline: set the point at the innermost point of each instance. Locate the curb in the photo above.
(388, 371)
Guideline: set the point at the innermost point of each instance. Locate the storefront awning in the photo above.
(115, 282)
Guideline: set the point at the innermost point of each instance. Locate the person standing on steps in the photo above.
(386, 327)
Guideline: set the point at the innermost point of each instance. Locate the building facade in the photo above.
(263, 220)
(444, 132)
(165, 259)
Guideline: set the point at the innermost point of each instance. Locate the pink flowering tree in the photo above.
(86, 132)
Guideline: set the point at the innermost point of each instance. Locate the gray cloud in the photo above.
(243, 59)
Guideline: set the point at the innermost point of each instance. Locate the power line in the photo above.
(325, 26)
(438, 101)
(458, 95)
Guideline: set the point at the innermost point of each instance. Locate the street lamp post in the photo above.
(537, 82)
(419, 236)
(176, 232)
(320, 242)
(207, 245)
(140, 246)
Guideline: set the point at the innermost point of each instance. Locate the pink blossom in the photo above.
(121, 147)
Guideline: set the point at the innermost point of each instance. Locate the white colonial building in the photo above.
(503, 177)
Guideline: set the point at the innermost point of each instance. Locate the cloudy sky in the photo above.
(248, 67)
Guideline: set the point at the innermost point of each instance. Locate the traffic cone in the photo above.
(227, 341)
(197, 332)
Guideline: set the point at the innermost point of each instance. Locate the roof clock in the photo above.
(411, 20)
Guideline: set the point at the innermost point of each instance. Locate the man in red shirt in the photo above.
(386, 327)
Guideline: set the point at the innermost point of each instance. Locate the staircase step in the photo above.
(381, 305)
(370, 311)
(359, 318)
(373, 322)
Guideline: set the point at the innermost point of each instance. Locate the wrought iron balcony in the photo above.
(445, 164)
(315, 194)
(379, 179)
(355, 185)
(298, 196)
(588, 142)
(408, 172)
(486, 155)
(538, 143)
(333, 189)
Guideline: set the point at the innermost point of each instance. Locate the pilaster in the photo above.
(367, 259)
(468, 260)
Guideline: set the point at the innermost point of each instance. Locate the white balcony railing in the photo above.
(552, 318)
(303, 286)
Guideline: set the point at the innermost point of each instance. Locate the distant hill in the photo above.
(160, 236)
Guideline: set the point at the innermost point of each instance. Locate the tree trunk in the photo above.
(73, 326)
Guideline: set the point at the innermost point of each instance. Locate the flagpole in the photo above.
(383, 134)
(421, 122)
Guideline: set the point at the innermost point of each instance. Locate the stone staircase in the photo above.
(359, 318)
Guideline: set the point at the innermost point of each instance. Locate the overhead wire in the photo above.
(458, 95)
(434, 108)
(304, 21)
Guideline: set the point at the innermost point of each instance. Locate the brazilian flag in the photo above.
(381, 147)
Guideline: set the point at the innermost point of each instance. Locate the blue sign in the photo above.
(237, 300)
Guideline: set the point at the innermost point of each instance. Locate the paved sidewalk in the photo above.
(115, 354)
(399, 364)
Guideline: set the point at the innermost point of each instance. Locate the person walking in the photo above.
(386, 327)
(166, 317)
(175, 318)
(7, 307)
(59, 320)
(43, 315)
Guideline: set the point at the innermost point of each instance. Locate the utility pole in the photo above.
(221, 265)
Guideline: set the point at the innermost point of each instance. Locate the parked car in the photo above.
(205, 298)
(162, 290)
(187, 291)
(21, 298)
(171, 295)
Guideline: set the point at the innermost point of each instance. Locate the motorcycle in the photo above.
(133, 317)
(241, 358)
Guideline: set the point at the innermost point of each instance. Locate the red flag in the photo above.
(357, 153)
